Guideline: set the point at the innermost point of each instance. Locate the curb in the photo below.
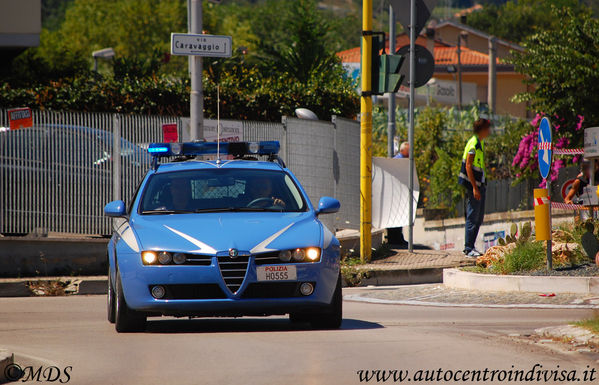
(359, 298)
(19, 287)
(402, 277)
(576, 334)
(6, 358)
(458, 279)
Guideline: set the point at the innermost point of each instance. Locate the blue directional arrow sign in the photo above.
(544, 147)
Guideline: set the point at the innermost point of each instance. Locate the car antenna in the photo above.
(217, 124)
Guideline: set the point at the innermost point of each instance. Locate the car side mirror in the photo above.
(115, 209)
(327, 205)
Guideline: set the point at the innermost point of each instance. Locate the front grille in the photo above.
(197, 259)
(233, 270)
(194, 291)
(267, 258)
(273, 290)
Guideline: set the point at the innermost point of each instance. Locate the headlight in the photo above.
(151, 257)
(164, 257)
(298, 255)
(285, 255)
(313, 253)
(148, 257)
(301, 254)
(179, 258)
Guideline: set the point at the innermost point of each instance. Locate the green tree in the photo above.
(292, 39)
(517, 20)
(561, 67)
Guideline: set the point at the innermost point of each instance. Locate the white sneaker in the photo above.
(473, 254)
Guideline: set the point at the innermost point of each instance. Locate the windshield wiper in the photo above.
(166, 212)
(235, 209)
(214, 210)
(258, 209)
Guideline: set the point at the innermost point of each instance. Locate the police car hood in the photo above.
(210, 233)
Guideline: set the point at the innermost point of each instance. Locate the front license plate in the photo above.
(276, 273)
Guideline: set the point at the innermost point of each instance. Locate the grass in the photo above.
(591, 324)
(351, 272)
(526, 256)
(350, 264)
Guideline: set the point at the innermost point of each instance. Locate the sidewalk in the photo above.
(419, 266)
(443, 296)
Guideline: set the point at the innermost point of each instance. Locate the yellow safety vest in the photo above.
(478, 166)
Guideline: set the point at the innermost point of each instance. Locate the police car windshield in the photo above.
(217, 190)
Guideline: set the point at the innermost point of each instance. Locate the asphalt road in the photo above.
(73, 331)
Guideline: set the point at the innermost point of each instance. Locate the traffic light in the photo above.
(385, 74)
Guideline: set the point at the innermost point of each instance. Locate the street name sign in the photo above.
(544, 147)
(188, 44)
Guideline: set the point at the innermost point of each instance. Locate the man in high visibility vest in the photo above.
(473, 178)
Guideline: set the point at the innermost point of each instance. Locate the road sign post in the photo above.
(413, 22)
(366, 134)
(542, 199)
(197, 45)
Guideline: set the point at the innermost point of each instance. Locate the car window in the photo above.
(219, 190)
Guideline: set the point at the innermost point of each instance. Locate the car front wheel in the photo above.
(330, 318)
(127, 319)
(110, 301)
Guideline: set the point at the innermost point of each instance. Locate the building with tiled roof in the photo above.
(474, 67)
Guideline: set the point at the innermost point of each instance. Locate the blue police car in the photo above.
(232, 237)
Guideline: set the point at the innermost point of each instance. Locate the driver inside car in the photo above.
(261, 189)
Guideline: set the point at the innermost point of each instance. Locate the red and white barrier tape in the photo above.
(568, 151)
(567, 206)
(541, 201)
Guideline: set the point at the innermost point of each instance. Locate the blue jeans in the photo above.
(475, 213)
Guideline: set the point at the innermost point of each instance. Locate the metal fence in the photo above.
(58, 175)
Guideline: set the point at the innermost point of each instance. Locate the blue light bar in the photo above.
(153, 150)
(238, 149)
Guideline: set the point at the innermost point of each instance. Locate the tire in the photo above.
(333, 316)
(126, 319)
(298, 318)
(110, 300)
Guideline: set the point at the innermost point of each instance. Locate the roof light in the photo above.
(153, 150)
(208, 148)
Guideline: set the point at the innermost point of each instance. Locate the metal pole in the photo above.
(116, 157)
(196, 108)
(411, 125)
(391, 95)
(492, 75)
(549, 243)
(459, 72)
(366, 134)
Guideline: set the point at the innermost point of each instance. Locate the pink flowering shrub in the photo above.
(526, 162)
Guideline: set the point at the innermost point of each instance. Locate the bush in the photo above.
(440, 135)
(526, 256)
(245, 95)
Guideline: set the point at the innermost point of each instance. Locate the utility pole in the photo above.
(492, 91)
(411, 125)
(391, 95)
(196, 107)
(366, 134)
